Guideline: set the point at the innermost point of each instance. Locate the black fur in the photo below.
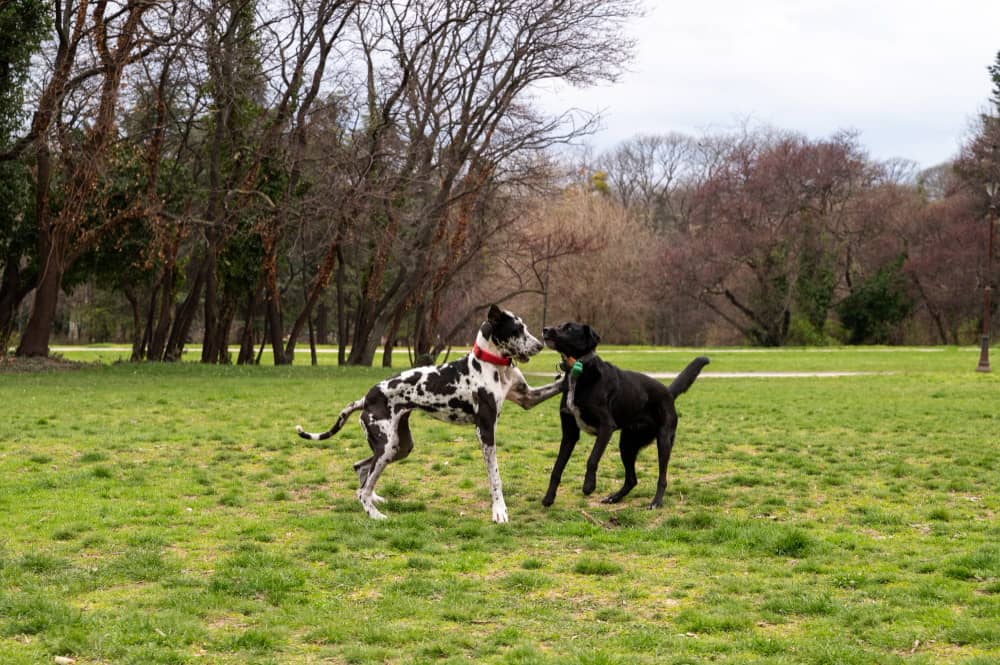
(605, 399)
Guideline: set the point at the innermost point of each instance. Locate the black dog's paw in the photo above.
(614, 498)
(548, 500)
(655, 504)
(589, 485)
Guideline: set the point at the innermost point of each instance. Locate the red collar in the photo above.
(489, 357)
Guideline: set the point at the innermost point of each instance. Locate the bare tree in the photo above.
(652, 175)
(590, 255)
(449, 85)
(773, 225)
(95, 41)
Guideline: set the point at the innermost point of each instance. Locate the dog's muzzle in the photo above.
(549, 335)
(532, 346)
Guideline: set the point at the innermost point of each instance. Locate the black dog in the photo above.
(600, 398)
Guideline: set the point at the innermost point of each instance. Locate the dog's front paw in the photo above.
(548, 500)
(589, 485)
(655, 504)
(500, 514)
(614, 498)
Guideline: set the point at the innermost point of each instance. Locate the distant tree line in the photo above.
(370, 174)
(788, 240)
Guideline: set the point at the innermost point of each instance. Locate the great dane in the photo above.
(600, 398)
(469, 390)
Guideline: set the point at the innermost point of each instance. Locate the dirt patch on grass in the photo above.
(14, 365)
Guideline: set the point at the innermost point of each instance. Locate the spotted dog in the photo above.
(469, 390)
(600, 398)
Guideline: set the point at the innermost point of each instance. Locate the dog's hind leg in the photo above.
(628, 448)
(366, 494)
(404, 436)
(363, 468)
(380, 430)
(369, 424)
(664, 445)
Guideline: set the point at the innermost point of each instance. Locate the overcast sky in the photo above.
(909, 75)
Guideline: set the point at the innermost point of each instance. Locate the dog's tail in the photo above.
(687, 376)
(348, 410)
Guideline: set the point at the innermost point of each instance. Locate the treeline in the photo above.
(766, 237)
(369, 174)
(224, 162)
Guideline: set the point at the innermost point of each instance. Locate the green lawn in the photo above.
(168, 514)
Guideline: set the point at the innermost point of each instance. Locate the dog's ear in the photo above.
(592, 336)
(492, 318)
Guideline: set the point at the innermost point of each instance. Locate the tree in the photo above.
(774, 217)
(232, 100)
(450, 126)
(875, 307)
(115, 33)
(598, 276)
(23, 24)
(650, 175)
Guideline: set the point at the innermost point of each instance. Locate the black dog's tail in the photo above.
(687, 376)
(348, 410)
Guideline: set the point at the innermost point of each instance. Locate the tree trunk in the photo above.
(147, 335)
(275, 329)
(341, 311)
(210, 344)
(370, 323)
(246, 339)
(35, 340)
(174, 349)
(323, 323)
(313, 358)
(390, 337)
(263, 338)
(50, 279)
(158, 340)
(13, 289)
(363, 341)
(225, 323)
(138, 333)
(311, 297)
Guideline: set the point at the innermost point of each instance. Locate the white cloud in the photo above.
(907, 74)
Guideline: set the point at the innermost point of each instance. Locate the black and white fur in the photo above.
(469, 390)
(603, 399)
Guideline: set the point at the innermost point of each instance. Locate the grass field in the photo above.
(168, 514)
